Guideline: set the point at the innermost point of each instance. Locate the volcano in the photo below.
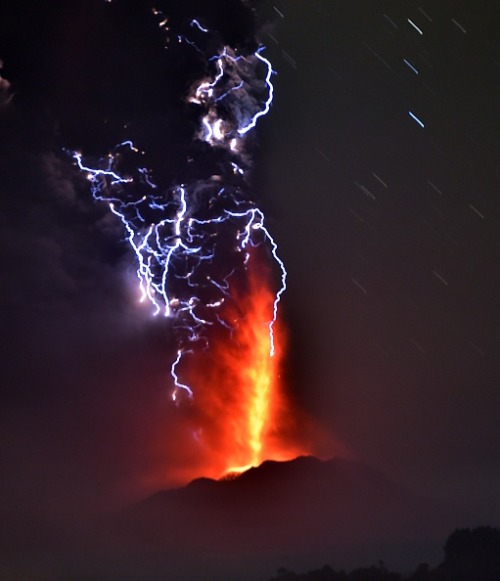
(301, 513)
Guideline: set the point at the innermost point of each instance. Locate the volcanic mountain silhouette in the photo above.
(301, 513)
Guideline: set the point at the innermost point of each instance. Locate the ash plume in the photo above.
(193, 236)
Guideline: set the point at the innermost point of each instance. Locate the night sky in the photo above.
(390, 232)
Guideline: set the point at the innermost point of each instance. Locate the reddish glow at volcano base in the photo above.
(243, 414)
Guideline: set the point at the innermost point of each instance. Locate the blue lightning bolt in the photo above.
(197, 25)
(267, 105)
(173, 373)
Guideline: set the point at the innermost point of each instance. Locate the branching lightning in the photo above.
(191, 239)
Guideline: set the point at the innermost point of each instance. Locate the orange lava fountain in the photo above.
(244, 413)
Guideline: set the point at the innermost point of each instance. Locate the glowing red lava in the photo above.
(244, 414)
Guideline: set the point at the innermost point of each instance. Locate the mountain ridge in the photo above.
(299, 512)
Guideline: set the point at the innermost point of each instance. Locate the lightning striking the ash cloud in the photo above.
(191, 239)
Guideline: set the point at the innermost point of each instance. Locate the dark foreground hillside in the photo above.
(469, 555)
(298, 514)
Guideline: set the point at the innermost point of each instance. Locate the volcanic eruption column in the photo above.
(204, 258)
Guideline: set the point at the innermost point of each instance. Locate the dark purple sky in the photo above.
(389, 230)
